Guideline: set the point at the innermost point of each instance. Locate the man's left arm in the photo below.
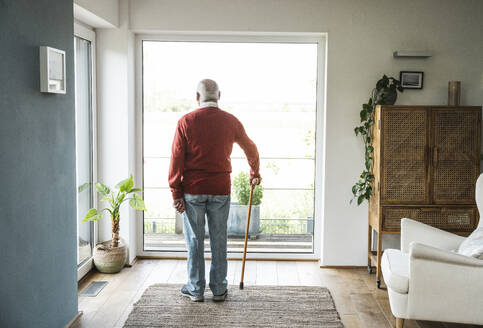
(251, 151)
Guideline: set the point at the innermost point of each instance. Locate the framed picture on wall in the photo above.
(411, 80)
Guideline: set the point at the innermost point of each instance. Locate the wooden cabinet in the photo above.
(426, 163)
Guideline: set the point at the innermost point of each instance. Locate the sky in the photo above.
(258, 73)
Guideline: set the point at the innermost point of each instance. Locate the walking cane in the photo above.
(246, 234)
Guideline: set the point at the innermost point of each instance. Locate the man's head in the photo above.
(207, 91)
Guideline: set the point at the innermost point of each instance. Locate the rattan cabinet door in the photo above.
(455, 160)
(404, 167)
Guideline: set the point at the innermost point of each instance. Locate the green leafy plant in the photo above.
(385, 93)
(241, 189)
(115, 198)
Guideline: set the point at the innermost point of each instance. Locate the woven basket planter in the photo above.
(109, 259)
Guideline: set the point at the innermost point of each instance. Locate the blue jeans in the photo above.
(216, 209)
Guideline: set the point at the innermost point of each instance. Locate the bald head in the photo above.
(208, 91)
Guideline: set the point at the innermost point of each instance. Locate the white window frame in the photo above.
(83, 31)
(321, 40)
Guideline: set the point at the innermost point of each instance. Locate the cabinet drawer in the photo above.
(455, 219)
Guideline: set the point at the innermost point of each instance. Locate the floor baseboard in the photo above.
(74, 319)
(132, 263)
(229, 259)
(342, 267)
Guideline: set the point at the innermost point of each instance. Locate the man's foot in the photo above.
(220, 298)
(194, 298)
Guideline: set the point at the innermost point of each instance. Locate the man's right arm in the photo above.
(250, 150)
(176, 165)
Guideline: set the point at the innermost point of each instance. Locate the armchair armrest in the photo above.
(425, 252)
(444, 286)
(414, 231)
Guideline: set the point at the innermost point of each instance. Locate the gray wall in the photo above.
(38, 275)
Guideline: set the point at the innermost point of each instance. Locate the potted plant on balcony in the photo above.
(239, 211)
(110, 256)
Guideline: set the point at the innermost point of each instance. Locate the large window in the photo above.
(271, 88)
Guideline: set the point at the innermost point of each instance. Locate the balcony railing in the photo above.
(290, 226)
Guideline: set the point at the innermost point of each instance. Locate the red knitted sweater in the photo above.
(200, 158)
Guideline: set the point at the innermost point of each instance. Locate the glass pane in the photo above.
(281, 173)
(279, 115)
(156, 172)
(159, 204)
(83, 127)
(287, 204)
(279, 134)
(159, 133)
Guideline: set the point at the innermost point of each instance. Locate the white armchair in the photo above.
(427, 281)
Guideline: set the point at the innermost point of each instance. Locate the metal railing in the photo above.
(291, 226)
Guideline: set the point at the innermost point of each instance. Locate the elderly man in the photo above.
(199, 178)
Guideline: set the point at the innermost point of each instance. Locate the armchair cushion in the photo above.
(395, 269)
(473, 245)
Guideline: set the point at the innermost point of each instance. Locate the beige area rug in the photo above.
(162, 305)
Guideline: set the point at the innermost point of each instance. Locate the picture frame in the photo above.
(52, 70)
(411, 79)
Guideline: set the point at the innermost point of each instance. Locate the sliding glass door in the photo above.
(85, 144)
(83, 124)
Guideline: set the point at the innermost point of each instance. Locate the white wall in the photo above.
(97, 13)
(115, 107)
(361, 38)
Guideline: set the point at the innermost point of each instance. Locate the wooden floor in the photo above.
(359, 302)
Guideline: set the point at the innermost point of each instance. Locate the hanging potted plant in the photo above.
(239, 211)
(110, 257)
(385, 93)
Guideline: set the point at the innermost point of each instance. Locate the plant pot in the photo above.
(389, 96)
(238, 217)
(109, 259)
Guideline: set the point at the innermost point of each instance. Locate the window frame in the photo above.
(240, 37)
(85, 32)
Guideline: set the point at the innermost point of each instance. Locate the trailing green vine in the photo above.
(385, 93)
